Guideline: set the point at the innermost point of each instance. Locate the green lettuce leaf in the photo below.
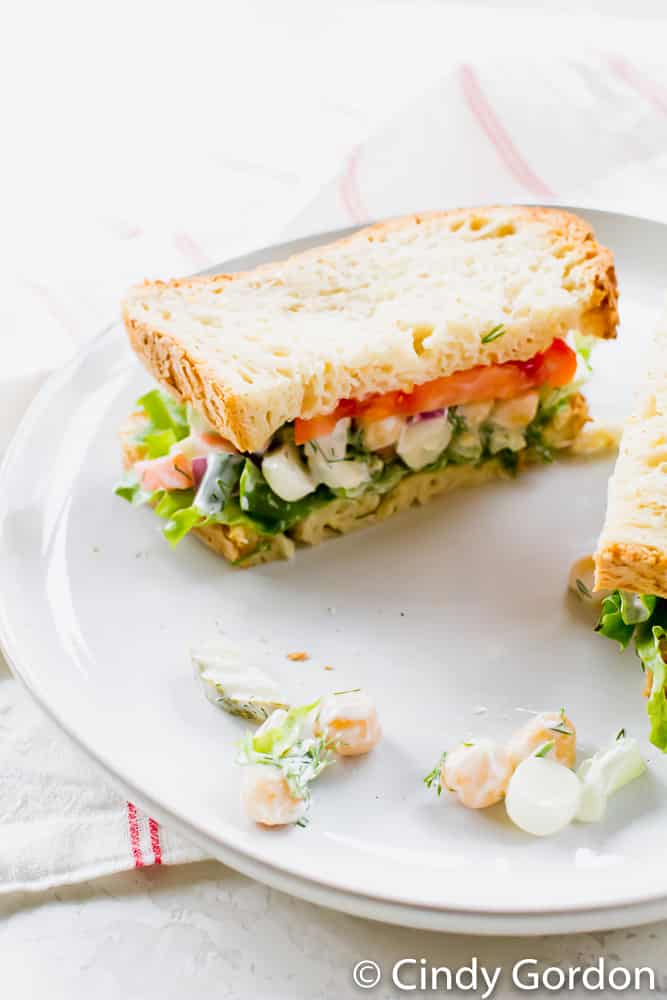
(184, 509)
(172, 501)
(389, 477)
(283, 742)
(159, 443)
(127, 490)
(611, 623)
(164, 413)
(281, 737)
(636, 608)
(583, 345)
(130, 489)
(175, 506)
(642, 617)
(182, 522)
(647, 644)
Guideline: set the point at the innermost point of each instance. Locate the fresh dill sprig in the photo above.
(494, 333)
(561, 728)
(433, 778)
(318, 448)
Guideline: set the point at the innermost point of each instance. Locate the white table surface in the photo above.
(154, 139)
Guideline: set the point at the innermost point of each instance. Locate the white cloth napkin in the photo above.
(60, 821)
(592, 132)
(589, 131)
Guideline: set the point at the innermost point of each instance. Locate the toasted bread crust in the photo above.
(641, 569)
(247, 419)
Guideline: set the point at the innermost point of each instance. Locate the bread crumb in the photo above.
(298, 656)
(328, 667)
(596, 437)
(581, 581)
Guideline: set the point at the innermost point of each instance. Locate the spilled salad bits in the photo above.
(292, 748)
(292, 745)
(534, 773)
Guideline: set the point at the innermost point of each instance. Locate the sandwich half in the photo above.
(631, 557)
(328, 391)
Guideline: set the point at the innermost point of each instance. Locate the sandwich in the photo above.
(631, 556)
(326, 392)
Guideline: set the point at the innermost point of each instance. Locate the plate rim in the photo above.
(452, 917)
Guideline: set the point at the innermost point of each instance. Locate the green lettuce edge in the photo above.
(643, 618)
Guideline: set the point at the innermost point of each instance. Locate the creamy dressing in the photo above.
(337, 473)
(233, 683)
(423, 441)
(353, 705)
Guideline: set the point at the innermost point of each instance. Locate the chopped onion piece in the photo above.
(542, 796)
(604, 773)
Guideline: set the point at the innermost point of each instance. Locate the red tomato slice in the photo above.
(554, 367)
(306, 430)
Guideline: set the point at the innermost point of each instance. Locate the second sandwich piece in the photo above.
(328, 391)
(631, 557)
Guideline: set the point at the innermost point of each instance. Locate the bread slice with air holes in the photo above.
(632, 549)
(433, 303)
(393, 306)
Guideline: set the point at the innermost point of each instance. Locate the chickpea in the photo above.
(478, 773)
(547, 727)
(349, 722)
(266, 796)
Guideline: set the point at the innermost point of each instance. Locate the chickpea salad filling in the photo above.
(193, 477)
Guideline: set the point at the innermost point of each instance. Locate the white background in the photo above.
(143, 139)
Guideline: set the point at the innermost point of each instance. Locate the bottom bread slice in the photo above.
(245, 547)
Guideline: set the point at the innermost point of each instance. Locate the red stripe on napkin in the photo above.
(185, 244)
(133, 827)
(54, 306)
(652, 91)
(349, 188)
(156, 847)
(496, 133)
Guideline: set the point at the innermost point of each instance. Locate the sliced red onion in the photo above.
(427, 415)
(198, 470)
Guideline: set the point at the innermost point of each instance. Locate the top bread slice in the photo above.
(390, 307)
(632, 550)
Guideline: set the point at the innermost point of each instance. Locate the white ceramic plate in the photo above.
(441, 610)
